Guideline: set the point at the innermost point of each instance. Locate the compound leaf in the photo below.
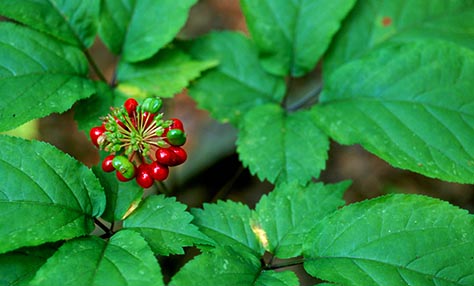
(220, 266)
(165, 224)
(228, 224)
(45, 195)
(126, 259)
(72, 21)
(293, 35)
(138, 29)
(239, 83)
(402, 104)
(373, 23)
(38, 75)
(282, 147)
(289, 212)
(394, 240)
(164, 75)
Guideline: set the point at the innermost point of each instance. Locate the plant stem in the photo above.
(94, 66)
(313, 94)
(222, 193)
(113, 82)
(284, 264)
(163, 188)
(107, 230)
(289, 84)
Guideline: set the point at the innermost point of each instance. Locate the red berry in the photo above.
(148, 118)
(131, 106)
(165, 156)
(180, 155)
(144, 178)
(95, 133)
(107, 164)
(120, 123)
(158, 171)
(177, 124)
(174, 134)
(121, 177)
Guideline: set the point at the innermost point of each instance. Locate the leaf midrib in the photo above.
(70, 28)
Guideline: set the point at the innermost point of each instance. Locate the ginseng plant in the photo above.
(395, 77)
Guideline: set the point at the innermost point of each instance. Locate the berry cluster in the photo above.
(142, 145)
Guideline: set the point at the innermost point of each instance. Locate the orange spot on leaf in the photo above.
(386, 21)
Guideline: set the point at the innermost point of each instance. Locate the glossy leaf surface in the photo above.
(45, 195)
(410, 104)
(126, 259)
(38, 75)
(138, 29)
(282, 147)
(238, 83)
(165, 224)
(394, 240)
(72, 21)
(293, 35)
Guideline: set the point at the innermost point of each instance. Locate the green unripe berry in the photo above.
(152, 104)
(124, 166)
(176, 137)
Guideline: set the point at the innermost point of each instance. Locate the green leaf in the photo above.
(293, 35)
(165, 224)
(273, 278)
(228, 224)
(19, 267)
(289, 212)
(394, 240)
(239, 83)
(38, 76)
(88, 111)
(45, 195)
(373, 23)
(164, 75)
(125, 259)
(138, 29)
(410, 104)
(72, 21)
(120, 197)
(220, 266)
(282, 147)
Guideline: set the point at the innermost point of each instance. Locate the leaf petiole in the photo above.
(285, 263)
(108, 231)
